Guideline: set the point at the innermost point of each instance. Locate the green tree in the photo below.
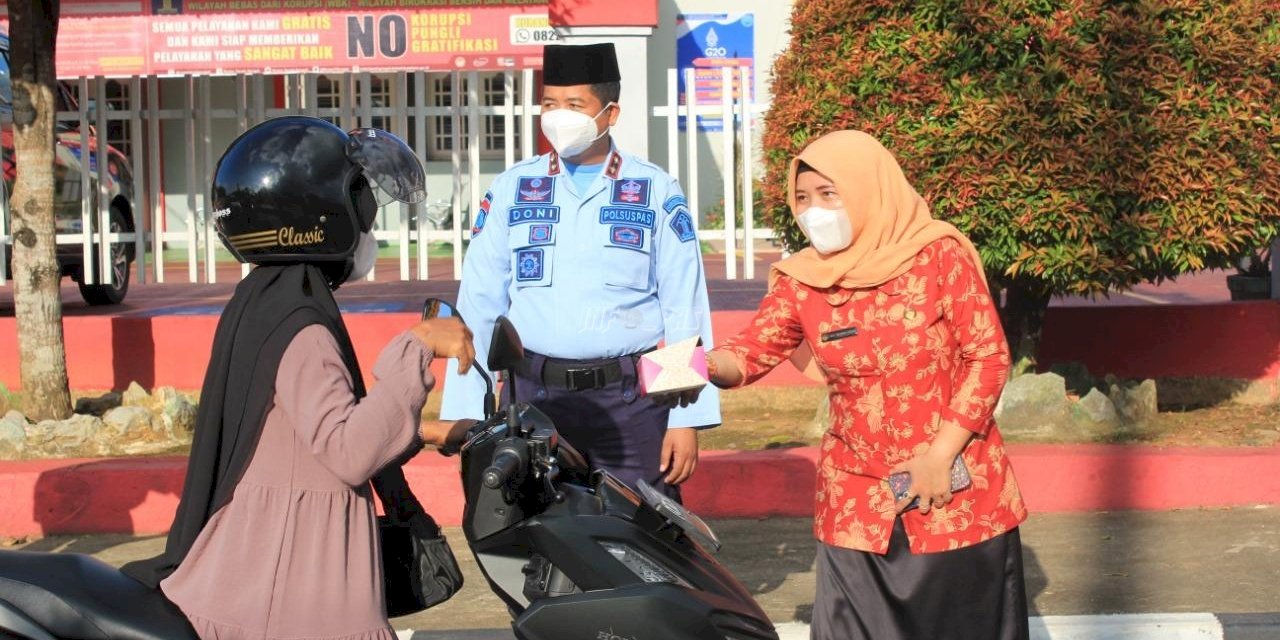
(33, 28)
(1084, 145)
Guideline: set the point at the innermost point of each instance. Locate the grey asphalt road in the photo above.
(1207, 560)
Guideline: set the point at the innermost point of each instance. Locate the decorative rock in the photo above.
(123, 420)
(136, 396)
(131, 431)
(176, 412)
(4, 400)
(1099, 408)
(13, 436)
(67, 438)
(1135, 404)
(1035, 407)
(99, 405)
(1096, 415)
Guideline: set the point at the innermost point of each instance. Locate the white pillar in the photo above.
(632, 45)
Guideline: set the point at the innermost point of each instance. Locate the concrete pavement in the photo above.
(1203, 573)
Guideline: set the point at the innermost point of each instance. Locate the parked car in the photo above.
(68, 165)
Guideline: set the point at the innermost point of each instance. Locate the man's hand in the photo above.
(447, 338)
(681, 399)
(679, 454)
(457, 435)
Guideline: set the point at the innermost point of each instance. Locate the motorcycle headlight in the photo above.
(643, 566)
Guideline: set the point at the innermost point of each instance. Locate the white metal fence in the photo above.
(407, 117)
(737, 114)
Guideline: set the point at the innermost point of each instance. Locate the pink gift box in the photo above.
(674, 368)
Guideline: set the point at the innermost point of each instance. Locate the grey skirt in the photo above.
(974, 593)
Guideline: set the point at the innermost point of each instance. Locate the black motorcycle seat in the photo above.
(77, 597)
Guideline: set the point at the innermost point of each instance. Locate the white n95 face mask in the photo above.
(571, 132)
(828, 230)
(366, 254)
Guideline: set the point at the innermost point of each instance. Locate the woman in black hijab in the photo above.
(275, 535)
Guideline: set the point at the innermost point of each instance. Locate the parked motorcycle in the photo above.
(574, 552)
(71, 596)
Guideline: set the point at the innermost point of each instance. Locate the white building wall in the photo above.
(772, 34)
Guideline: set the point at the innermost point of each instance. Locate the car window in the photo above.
(61, 94)
(6, 88)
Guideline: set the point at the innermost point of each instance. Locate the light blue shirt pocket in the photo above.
(627, 262)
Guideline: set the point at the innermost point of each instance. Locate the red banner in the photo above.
(121, 38)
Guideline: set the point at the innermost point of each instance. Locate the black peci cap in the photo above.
(566, 65)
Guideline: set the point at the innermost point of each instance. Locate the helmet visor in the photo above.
(390, 166)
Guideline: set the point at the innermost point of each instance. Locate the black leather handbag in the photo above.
(419, 570)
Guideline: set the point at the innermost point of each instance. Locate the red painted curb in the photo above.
(139, 495)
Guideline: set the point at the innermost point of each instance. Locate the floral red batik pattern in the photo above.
(928, 350)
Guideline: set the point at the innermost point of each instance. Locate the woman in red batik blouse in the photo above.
(891, 309)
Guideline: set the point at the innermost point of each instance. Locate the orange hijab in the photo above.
(891, 222)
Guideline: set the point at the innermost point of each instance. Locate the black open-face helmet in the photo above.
(298, 189)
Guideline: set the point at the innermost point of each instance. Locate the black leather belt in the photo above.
(576, 375)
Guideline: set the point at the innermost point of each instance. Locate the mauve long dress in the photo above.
(294, 554)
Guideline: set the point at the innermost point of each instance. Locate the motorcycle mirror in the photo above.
(435, 308)
(505, 350)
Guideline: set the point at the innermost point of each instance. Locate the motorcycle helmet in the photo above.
(297, 189)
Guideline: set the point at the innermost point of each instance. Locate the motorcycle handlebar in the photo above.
(505, 464)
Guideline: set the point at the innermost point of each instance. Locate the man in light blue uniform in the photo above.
(591, 252)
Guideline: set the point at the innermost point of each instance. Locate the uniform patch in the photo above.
(529, 265)
(627, 215)
(482, 214)
(673, 202)
(615, 165)
(541, 234)
(521, 215)
(628, 237)
(535, 189)
(633, 191)
(682, 224)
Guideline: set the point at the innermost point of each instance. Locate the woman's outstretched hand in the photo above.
(722, 369)
(449, 338)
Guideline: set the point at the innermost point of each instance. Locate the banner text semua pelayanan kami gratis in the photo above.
(123, 38)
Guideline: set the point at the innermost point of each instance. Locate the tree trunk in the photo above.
(33, 30)
(1022, 311)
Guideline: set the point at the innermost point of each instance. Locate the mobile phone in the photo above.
(900, 483)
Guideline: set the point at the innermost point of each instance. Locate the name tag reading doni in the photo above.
(839, 334)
